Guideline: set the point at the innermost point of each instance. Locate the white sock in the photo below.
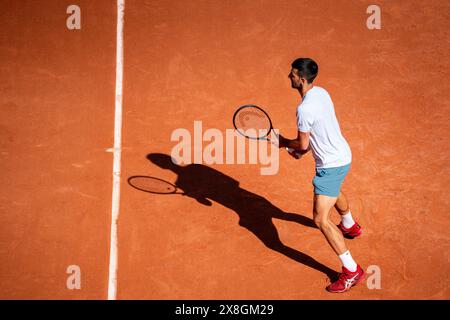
(347, 220)
(348, 261)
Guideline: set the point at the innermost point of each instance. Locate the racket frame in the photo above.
(265, 137)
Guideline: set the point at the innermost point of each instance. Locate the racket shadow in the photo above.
(255, 212)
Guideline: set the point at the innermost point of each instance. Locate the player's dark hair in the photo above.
(307, 68)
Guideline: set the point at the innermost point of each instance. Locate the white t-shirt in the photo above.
(316, 115)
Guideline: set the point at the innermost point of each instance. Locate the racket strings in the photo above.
(252, 122)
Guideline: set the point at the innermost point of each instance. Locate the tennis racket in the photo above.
(153, 185)
(254, 123)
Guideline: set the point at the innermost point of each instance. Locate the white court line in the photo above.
(113, 258)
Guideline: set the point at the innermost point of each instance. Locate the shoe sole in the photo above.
(347, 236)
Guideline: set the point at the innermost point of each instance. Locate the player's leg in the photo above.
(348, 226)
(352, 273)
(321, 214)
(341, 204)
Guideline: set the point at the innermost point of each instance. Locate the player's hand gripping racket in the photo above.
(254, 123)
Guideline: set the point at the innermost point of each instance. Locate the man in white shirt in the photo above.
(318, 131)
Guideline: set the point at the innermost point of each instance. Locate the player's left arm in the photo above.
(300, 144)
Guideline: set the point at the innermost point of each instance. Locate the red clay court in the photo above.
(251, 237)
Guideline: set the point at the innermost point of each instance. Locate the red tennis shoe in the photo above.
(352, 232)
(347, 279)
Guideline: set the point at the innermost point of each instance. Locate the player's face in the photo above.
(295, 79)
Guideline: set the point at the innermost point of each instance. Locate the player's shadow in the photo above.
(206, 184)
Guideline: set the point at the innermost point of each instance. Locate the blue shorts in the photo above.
(328, 181)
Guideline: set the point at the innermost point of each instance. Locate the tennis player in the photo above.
(318, 131)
